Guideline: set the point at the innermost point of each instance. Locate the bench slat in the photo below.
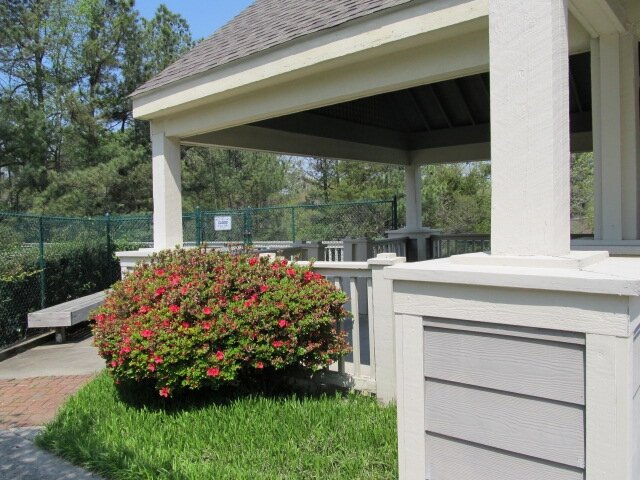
(68, 313)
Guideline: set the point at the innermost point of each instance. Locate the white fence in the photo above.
(371, 366)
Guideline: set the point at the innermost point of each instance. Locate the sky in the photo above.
(204, 16)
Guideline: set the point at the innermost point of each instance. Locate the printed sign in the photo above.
(221, 223)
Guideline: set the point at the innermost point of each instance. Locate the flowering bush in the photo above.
(191, 318)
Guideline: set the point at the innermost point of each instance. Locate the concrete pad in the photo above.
(22, 460)
(54, 360)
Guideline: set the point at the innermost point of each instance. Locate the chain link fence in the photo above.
(331, 221)
(49, 260)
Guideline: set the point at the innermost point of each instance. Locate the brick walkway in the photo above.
(34, 401)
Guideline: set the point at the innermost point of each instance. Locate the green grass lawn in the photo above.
(124, 434)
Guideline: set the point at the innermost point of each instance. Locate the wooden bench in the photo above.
(66, 314)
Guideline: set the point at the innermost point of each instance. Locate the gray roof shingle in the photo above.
(262, 25)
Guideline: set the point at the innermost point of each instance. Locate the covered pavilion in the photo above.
(391, 81)
(520, 363)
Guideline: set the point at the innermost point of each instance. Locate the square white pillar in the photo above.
(167, 194)
(413, 196)
(616, 137)
(529, 63)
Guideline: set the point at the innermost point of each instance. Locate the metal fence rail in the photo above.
(330, 221)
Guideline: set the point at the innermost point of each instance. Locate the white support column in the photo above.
(167, 194)
(529, 62)
(410, 391)
(616, 140)
(413, 196)
(610, 438)
(382, 318)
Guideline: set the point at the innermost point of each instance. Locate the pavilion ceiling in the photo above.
(446, 113)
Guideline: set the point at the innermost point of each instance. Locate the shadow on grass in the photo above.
(272, 385)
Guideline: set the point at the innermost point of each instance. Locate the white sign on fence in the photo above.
(221, 223)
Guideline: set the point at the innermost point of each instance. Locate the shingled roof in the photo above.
(264, 24)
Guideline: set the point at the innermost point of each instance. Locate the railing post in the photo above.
(198, 220)
(41, 264)
(383, 322)
(356, 249)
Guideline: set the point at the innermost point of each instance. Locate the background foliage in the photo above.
(69, 144)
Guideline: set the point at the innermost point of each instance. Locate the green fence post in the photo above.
(247, 226)
(198, 216)
(43, 283)
(107, 222)
(394, 212)
(293, 224)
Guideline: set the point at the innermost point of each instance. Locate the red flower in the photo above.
(260, 365)
(263, 288)
(308, 276)
(125, 349)
(143, 309)
(249, 302)
(206, 311)
(253, 261)
(152, 367)
(213, 372)
(159, 272)
(174, 279)
(291, 272)
(146, 333)
(206, 326)
(284, 262)
(219, 355)
(113, 364)
(277, 343)
(282, 323)
(160, 291)
(164, 392)
(158, 360)
(100, 317)
(166, 323)
(174, 308)
(185, 324)
(184, 290)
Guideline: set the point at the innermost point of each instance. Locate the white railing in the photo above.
(371, 365)
(333, 250)
(355, 279)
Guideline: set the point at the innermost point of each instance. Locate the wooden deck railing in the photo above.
(455, 244)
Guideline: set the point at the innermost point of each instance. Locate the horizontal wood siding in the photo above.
(501, 400)
(505, 363)
(547, 430)
(458, 460)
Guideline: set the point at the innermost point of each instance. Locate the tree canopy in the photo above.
(69, 144)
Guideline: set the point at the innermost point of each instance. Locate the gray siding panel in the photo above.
(456, 460)
(535, 367)
(547, 430)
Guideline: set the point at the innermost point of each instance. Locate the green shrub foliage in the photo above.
(192, 318)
